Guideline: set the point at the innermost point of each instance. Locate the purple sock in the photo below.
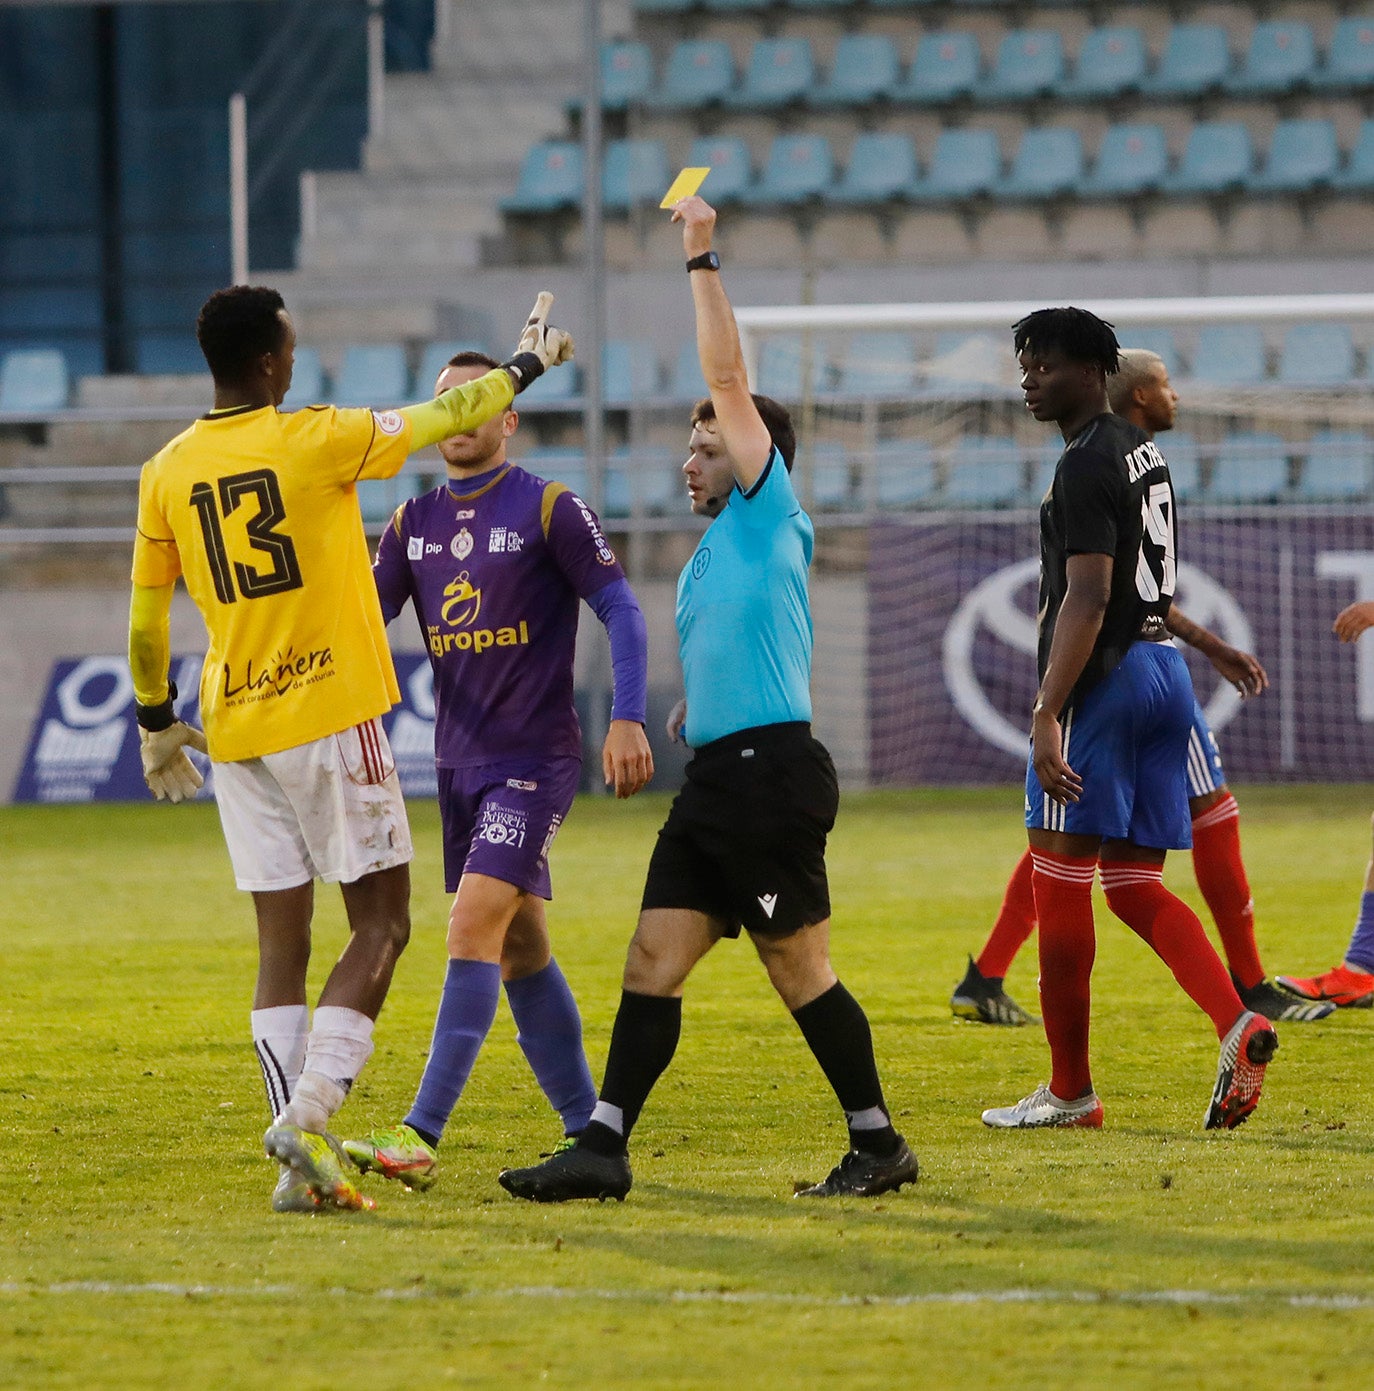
(1360, 953)
(466, 1009)
(551, 1037)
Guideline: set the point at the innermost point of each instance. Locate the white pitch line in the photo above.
(553, 1293)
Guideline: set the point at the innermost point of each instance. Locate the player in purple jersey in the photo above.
(496, 563)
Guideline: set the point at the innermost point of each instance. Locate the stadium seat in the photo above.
(650, 480)
(780, 73)
(865, 69)
(1250, 467)
(1195, 61)
(1281, 58)
(1029, 64)
(1336, 467)
(378, 498)
(617, 485)
(629, 371)
(685, 382)
(985, 471)
(1317, 355)
(555, 389)
(970, 366)
(36, 380)
(796, 169)
(727, 157)
(904, 473)
(878, 364)
(373, 375)
(1185, 467)
(964, 164)
(1111, 63)
(882, 167)
(557, 465)
(783, 367)
(435, 358)
(550, 179)
(307, 381)
(944, 68)
(699, 72)
(1043, 465)
(633, 173)
(825, 477)
(1349, 61)
(627, 74)
(1131, 159)
(1303, 155)
(1357, 173)
(1217, 159)
(1229, 355)
(1159, 341)
(1048, 164)
(168, 354)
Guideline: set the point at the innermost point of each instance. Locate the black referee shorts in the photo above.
(745, 838)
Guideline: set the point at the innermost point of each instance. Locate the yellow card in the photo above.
(684, 186)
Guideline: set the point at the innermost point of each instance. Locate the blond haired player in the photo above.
(257, 512)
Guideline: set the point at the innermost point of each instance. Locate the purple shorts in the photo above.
(500, 819)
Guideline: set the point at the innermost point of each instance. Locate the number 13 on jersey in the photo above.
(213, 503)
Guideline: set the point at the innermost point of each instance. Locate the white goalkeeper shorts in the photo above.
(330, 810)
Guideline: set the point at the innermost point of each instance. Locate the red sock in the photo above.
(1014, 923)
(1136, 894)
(1221, 877)
(1064, 905)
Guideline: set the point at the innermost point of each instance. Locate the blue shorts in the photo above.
(500, 819)
(1128, 740)
(1205, 773)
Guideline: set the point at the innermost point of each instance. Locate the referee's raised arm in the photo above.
(741, 427)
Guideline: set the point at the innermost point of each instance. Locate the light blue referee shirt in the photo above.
(744, 613)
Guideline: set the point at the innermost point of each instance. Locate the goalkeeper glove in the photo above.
(541, 346)
(167, 770)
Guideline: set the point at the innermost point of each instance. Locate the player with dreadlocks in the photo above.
(1105, 783)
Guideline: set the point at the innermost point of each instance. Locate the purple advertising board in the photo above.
(952, 643)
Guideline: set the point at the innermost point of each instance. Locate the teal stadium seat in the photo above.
(791, 368)
(797, 169)
(373, 375)
(865, 69)
(882, 168)
(1132, 159)
(1303, 155)
(556, 465)
(1185, 465)
(1194, 63)
(435, 358)
(550, 179)
(964, 164)
(1159, 341)
(629, 371)
(555, 390)
(633, 173)
(307, 381)
(1217, 158)
(1111, 63)
(1229, 355)
(378, 498)
(1029, 64)
(904, 473)
(617, 487)
(781, 72)
(970, 366)
(1335, 467)
(685, 382)
(167, 353)
(627, 75)
(1250, 467)
(1048, 164)
(945, 67)
(645, 480)
(1357, 173)
(1282, 57)
(878, 364)
(727, 157)
(1349, 62)
(34, 380)
(985, 471)
(1317, 355)
(698, 73)
(825, 477)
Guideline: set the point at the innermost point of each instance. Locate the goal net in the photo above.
(923, 473)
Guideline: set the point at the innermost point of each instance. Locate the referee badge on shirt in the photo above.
(461, 545)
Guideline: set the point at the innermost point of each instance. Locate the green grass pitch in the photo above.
(139, 1247)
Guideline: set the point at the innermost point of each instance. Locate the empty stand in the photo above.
(1303, 155)
(904, 473)
(1185, 466)
(945, 67)
(1217, 158)
(963, 164)
(36, 380)
(1282, 57)
(825, 476)
(1132, 159)
(1335, 467)
(633, 172)
(1195, 62)
(865, 69)
(985, 471)
(878, 364)
(1317, 355)
(780, 72)
(698, 72)
(882, 167)
(434, 358)
(1157, 340)
(727, 157)
(1250, 467)
(1112, 62)
(1029, 64)
(797, 169)
(627, 74)
(373, 375)
(550, 178)
(1357, 174)
(629, 371)
(1048, 164)
(1229, 355)
(307, 381)
(1349, 61)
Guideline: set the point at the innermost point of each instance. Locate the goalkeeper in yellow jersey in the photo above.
(257, 512)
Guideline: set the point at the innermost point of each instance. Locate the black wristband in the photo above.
(708, 260)
(155, 718)
(524, 368)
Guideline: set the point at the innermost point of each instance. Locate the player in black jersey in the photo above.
(1106, 783)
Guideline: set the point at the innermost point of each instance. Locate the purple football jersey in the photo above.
(497, 572)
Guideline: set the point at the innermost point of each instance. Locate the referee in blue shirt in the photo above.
(744, 843)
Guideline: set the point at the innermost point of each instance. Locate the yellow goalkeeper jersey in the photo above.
(257, 510)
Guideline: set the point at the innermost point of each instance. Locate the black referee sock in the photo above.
(836, 1030)
(643, 1041)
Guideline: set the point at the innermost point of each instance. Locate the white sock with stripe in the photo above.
(279, 1035)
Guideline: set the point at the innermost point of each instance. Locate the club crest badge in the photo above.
(461, 545)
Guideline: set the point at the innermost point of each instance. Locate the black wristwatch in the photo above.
(708, 260)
